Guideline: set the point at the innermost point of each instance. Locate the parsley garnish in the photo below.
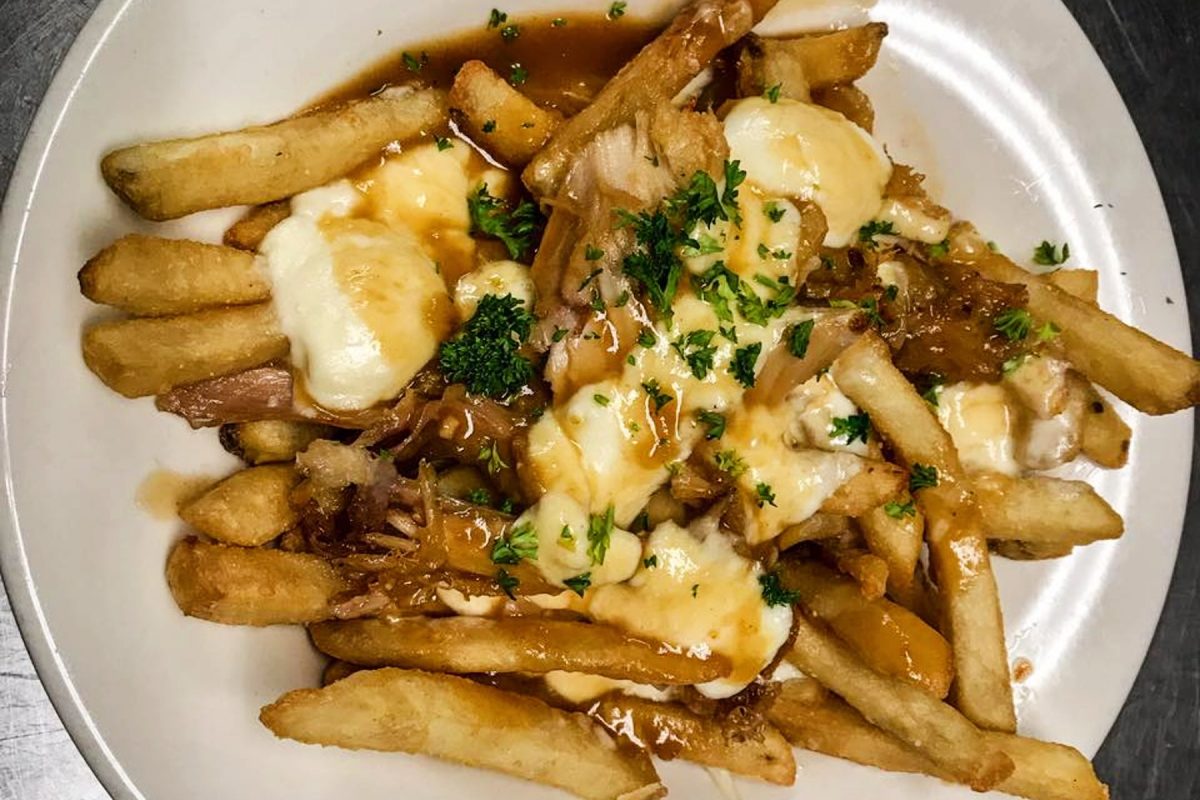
(507, 583)
(510, 32)
(922, 477)
(898, 510)
(1048, 254)
(489, 125)
(616, 10)
(1013, 364)
(505, 505)
(646, 338)
(558, 335)
(891, 291)
(651, 562)
(730, 462)
(1014, 323)
(707, 244)
(696, 349)
(799, 337)
(566, 539)
(656, 394)
(1047, 332)
(497, 18)
(773, 211)
(654, 263)
(742, 365)
(518, 75)
(592, 253)
(443, 143)
(772, 92)
(484, 355)
(599, 534)
(489, 456)
(868, 232)
(517, 228)
(939, 250)
(480, 497)
(558, 22)
(412, 63)
(521, 542)
(765, 495)
(714, 422)
(579, 584)
(695, 588)
(773, 593)
(601, 399)
(931, 393)
(856, 426)
(734, 175)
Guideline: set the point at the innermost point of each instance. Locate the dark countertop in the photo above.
(1152, 49)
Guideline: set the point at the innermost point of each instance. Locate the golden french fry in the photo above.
(768, 65)
(895, 539)
(818, 526)
(877, 483)
(1029, 551)
(653, 77)
(1105, 437)
(920, 597)
(953, 529)
(270, 440)
(496, 116)
(152, 277)
(336, 670)
(249, 586)
(672, 731)
(1048, 771)
(849, 101)
(1044, 510)
(459, 720)
(890, 639)
(1081, 283)
(169, 179)
(248, 508)
(138, 357)
(512, 644)
(249, 231)
(1149, 375)
(911, 714)
(868, 570)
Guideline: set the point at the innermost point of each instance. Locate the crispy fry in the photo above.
(249, 231)
(248, 508)
(1081, 283)
(953, 529)
(152, 277)
(244, 586)
(869, 571)
(920, 597)
(890, 639)
(1045, 510)
(500, 119)
(137, 357)
(1029, 551)
(1105, 437)
(653, 77)
(849, 101)
(895, 539)
(271, 440)
(458, 720)
(515, 644)
(169, 179)
(672, 731)
(818, 526)
(336, 670)
(1144, 372)
(1042, 770)
(877, 483)
(768, 65)
(935, 729)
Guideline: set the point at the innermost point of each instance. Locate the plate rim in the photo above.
(26, 606)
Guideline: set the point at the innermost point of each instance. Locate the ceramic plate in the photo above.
(1003, 103)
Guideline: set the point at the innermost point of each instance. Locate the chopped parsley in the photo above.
(713, 422)
(516, 228)
(1014, 323)
(656, 394)
(505, 505)
(772, 92)
(597, 302)
(566, 539)
(622, 299)
(1011, 365)
(900, 510)
(742, 365)
(651, 562)
(1047, 332)
(855, 426)
(480, 497)
(697, 350)
(510, 32)
(1049, 254)
(646, 338)
(695, 588)
(935, 387)
(558, 335)
(601, 399)
(773, 211)
(891, 291)
(489, 125)
(443, 143)
(489, 456)
(799, 337)
(922, 477)
(521, 542)
(616, 10)
(765, 494)
(518, 75)
(707, 244)
(558, 22)
(773, 593)
(412, 63)
(507, 583)
(939, 250)
(868, 232)
(599, 534)
(592, 253)
(758, 311)
(485, 356)
(497, 18)
(730, 462)
(719, 287)
(579, 584)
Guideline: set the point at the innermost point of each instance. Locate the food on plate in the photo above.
(608, 392)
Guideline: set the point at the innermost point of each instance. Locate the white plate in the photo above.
(1004, 103)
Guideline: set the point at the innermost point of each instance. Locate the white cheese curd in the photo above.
(477, 606)
(362, 305)
(814, 405)
(1047, 443)
(579, 688)
(702, 597)
(794, 149)
(496, 277)
(980, 421)
(801, 480)
(1041, 384)
(916, 219)
(561, 524)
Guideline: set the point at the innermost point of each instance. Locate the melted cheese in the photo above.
(915, 218)
(814, 405)
(980, 422)
(496, 277)
(701, 597)
(560, 558)
(794, 149)
(579, 688)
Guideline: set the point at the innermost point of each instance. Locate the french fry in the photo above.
(868, 570)
(249, 586)
(768, 64)
(1029, 551)
(953, 529)
(1081, 283)
(672, 731)
(169, 179)
(496, 116)
(513, 644)
(920, 597)
(249, 508)
(653, 77)
(1149, 375)
(249, 231)
(1042, 770)
(271, 440)
(849, 101)
(890, 639)
(458, 720)
(818, 526)
(911, 714)
(818, 60)
(895, 539)
(1045, 510)
(1105, 438)
(151, 277)
(336, 670)
(138, 357)
(877, 483)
